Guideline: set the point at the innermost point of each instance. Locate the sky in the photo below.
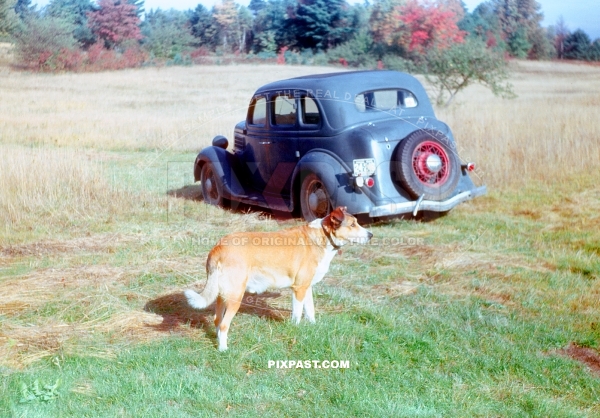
(579, 14)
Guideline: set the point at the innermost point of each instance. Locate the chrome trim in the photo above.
(418, 204)
(431, 205)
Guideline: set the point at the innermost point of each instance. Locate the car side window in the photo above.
(385, 100)
(284, 110)
(258, 111)
(309, 111)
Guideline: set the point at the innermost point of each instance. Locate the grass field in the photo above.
(490, 311)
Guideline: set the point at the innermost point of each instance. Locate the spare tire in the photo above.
(426, 164)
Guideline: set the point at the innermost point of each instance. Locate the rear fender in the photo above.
(335, 175)
(227, 167)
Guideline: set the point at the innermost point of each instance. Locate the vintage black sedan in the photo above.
(367, 140)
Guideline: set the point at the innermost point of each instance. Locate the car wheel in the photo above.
(427, 165)
(212, 190)
(314, 199)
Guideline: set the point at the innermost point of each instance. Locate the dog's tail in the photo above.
(210, 292)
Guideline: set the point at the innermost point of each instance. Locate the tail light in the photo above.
(468, 166)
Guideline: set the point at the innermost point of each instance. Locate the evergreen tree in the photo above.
(271, 28)
(167, 34)
(321, 24)
(594, 51)
(203, 27)
(74, 12)
(139, 7)
(577, 45)
(24, 9)
(256, 6)
(519, 20)
(8, 18)
(483, 23)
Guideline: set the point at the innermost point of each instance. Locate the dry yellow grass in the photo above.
(49, 184)
(180, 108)
(550, 131)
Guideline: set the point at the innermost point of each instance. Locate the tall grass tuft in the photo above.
(51, 186)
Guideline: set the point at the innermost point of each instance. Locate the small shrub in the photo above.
(40, 40)
(281, 55)
(394, 62)
(199, 55)
(354, 53)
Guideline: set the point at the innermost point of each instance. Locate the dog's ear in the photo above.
(337, 217)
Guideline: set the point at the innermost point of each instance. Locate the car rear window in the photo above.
(385, 100)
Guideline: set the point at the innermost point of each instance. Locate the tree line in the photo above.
(432, 36)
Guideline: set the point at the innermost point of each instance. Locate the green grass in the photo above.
(494, 292)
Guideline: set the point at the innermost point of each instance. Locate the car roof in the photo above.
(337, 92)
(353, 82)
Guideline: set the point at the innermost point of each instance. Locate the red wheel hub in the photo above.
(431, 164)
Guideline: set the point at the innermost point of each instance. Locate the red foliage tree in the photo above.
(115, 22)
(426, 24)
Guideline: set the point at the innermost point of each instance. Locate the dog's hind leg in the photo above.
(219, 311)
(231, 304)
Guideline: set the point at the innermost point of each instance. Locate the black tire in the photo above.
(426, 164)
(314, 198)
(212, 189)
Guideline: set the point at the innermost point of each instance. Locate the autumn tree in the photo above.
(416, 26)
(226, 15)
(427, 25)
(115, 22)
(561, 31)
(384, 20)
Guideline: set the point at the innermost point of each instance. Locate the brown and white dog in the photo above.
(296, 257)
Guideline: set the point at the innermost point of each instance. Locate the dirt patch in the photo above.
(395, 290)
(585, 355)
(99, 243)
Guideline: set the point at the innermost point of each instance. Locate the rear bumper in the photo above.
(430, 205)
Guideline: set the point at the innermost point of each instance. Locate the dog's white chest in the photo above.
(323, 266)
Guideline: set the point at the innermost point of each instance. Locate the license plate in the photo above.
(364, 167)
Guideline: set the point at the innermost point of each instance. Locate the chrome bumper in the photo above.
(430, 205)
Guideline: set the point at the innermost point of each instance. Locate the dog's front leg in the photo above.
(298, 300)
(309, 306)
